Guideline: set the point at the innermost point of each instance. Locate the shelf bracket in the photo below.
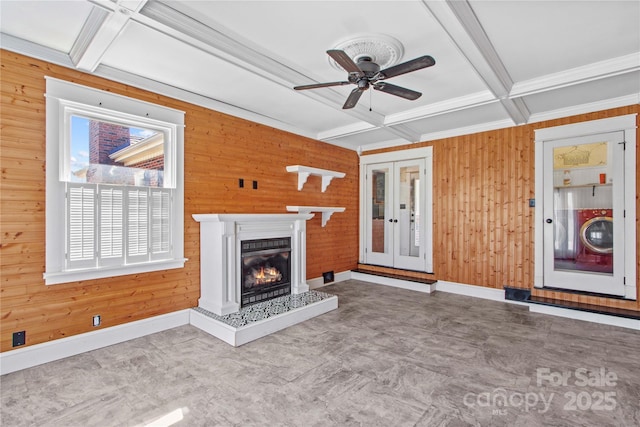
(326, 180)
(302, 179)
(325, 217)
(326, 211)
(304, 172)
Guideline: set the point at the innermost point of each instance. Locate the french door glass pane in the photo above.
(583, 208)
(379, 208)
(409, 213)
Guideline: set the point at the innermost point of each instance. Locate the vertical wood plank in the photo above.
(219, 149)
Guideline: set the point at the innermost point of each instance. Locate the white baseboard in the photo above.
(37, 354)
(318, 282)
(474, 291)
(396, 283)
(587, 316)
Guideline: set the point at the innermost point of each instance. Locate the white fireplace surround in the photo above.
(220, 261)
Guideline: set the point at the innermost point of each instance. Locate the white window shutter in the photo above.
(111, 231)
(160, 223)
(137, 224)
(81, 228)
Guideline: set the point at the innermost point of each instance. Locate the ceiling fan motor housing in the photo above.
(369, 67)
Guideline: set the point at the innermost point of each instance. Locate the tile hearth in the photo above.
(258, 320)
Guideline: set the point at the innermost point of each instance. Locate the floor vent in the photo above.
(517, 294)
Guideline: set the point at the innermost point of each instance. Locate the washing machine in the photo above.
(595, 243)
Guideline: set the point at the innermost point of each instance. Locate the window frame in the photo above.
(64, 99)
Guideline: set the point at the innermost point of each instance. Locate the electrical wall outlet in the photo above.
(19, 338)
(96, 320)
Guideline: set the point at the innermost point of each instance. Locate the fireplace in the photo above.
(266, 269)
(246, 261)
(250, 258)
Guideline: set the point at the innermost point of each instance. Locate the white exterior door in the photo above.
(585, 210)
(397, 214)
(584, 214)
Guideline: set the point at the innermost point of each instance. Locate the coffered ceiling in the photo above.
(498, 63)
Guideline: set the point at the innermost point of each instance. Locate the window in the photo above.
(114, 185)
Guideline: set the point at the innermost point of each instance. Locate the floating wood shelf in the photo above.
(326, 211)
(304, 172)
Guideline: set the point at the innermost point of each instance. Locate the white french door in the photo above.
(395, 214)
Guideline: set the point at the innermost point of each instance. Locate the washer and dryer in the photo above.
(584, 240)
(595, 243)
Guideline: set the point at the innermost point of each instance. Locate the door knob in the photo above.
(395, 220)
(549, 221)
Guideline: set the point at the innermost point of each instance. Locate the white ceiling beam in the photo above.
(106, 22)
(466, 32)
(80, 53)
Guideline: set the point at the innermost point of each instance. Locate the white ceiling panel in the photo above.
(536, 38)
(497, 63)
(54, 24)
(215, 78)
(489, 113)
(583, 94)
(377, 138)
(298, 31)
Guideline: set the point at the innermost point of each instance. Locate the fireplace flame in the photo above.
(266, 275)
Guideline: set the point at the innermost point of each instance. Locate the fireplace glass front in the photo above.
(266, 269)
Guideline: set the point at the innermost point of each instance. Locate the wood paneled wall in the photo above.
(483, 228)
(219, 149)
(483, 225)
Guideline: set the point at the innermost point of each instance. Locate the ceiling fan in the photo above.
(366, 73)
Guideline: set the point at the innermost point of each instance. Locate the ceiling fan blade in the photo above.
(345, 61)
(353, 98)
(397, 90)
(407, 67)
(318, 85)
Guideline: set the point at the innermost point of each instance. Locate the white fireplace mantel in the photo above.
(220, 269)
